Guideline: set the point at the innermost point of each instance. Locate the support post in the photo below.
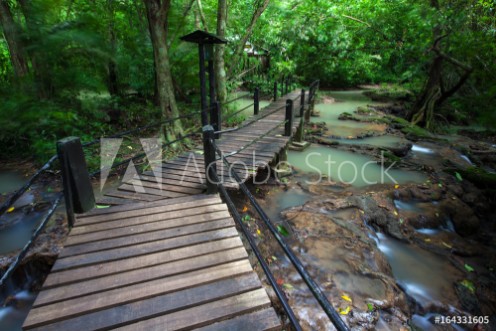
(282, 86)
(78, 192)
(256, 101)
(302, 102)
(289, 118)
(215, 118)
(209, 157)
(275, 91)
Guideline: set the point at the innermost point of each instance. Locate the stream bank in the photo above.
(390, 254)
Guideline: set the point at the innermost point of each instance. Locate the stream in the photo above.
(323, 208)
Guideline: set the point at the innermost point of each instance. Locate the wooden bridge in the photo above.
(166, 256)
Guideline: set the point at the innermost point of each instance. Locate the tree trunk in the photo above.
(112, 83)
(422, 111)
(157, 12)
(11, 34)
(202, 15)
(219, 64)
(39, 64)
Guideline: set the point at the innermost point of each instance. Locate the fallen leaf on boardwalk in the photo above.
(370, 306)
(11, 209)
(258, 232)
(280, 281)
(395, 213)
(102, 206)
(427, 240)
(396, 186)
(274, 258)
(346, 297)
(345, 311)
(245, 209)
(468, 268)
(446, 245)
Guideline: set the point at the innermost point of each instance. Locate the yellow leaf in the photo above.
(346, 297)
(396, 186)
(11, 209)
(446, 245)
(427, 240)
(344, 311)
(245, 209)
(258, 232)
(395, 213)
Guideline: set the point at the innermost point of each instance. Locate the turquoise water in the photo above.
(348, 167)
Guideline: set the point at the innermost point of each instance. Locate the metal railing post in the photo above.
(78, 191)
(275, 91)
(302, 102)
(256, 101)
(288, 126)
(209, 157)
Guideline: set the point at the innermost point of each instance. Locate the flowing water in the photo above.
(424, 276)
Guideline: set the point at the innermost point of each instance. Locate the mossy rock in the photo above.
(364, 111)
(347, 117)
(480, 177)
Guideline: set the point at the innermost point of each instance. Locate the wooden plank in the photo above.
(171, 215)
(98, 301)
(205, 314)
(141, 249)
(156, 306)
(169, 181)
(131, 236)
(195, 179)
(143, 205)
(131, 195)
(150, 191)
(113, 201)
(114, 267)
(166, 187)
(152, 208)
(262, 320)
(91, 286)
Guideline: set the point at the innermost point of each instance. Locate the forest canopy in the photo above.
(89, 68)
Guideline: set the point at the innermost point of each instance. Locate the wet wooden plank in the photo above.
(158, 305)
(141, 249)
(115, 267)
(85, 287)
(149, 232)
(205, 314)
(76, 307)
(262, 320)
(153, 208)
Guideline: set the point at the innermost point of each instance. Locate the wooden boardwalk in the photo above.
(164, 256)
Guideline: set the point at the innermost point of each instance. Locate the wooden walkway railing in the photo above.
(165, 256)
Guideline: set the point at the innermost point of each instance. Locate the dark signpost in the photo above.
(205, 43)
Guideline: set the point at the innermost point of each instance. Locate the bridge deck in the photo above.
(164, 256)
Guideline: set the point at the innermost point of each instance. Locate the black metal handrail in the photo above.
(28, 245)
(13, 198)
(313, 286)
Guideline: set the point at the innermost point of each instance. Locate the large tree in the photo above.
(219, 63)
(157, 14)
(11, 32)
